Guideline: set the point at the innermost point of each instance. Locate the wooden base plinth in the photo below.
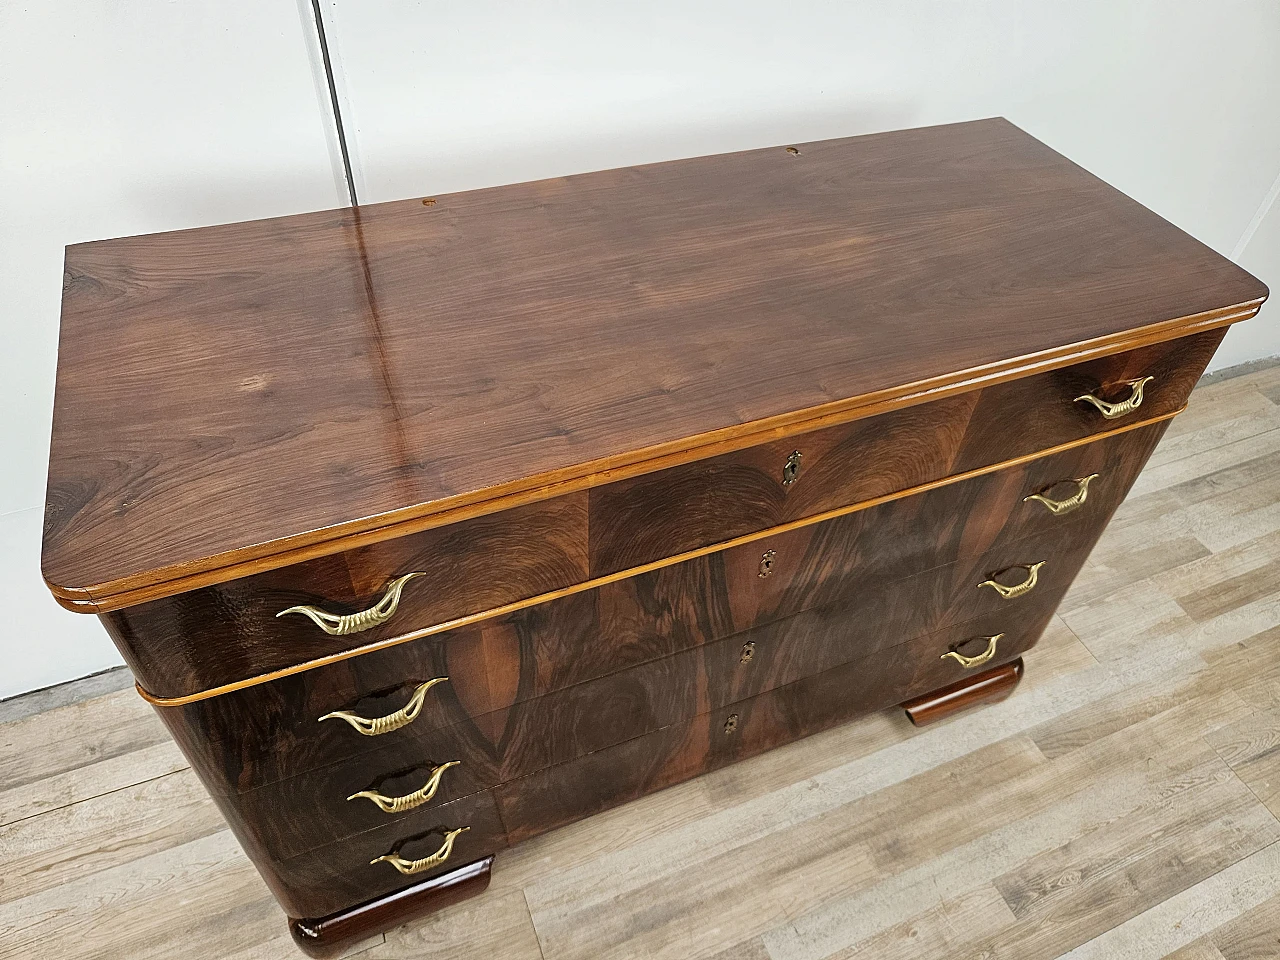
(329, 935)
(990, 686)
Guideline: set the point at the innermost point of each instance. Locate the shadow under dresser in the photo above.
(434, 525)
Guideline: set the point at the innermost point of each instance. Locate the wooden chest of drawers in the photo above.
(432, 526)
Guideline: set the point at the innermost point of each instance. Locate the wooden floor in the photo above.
(1122, 804)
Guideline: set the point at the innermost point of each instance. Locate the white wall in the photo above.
(120, 117)
(1176, 102)
(127, 116)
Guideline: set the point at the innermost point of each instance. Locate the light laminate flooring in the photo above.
(1122, 804)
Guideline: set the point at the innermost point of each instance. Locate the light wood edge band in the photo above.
(168, 581)
(643, 568)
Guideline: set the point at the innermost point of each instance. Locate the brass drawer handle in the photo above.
(1018, 590)
(970, 662)
(1113, 411)
(1073, 502)
(409, 800)
(379, 613)
(392, 721)
(426, 863)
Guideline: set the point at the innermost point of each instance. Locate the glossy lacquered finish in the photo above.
(277, 388)
(637, 521)
(329, 936)
(991, 686)
(600, 780)
(234, 631)
(937, 545)
(343, 874)
(323, 879)
(429, 528)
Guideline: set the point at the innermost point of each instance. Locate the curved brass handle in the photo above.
(970, 662)
(392, 721)
(426, 863)
(379, 613)
(409, 800)
(1114, 410)
(1018, 590)
(1073, 502)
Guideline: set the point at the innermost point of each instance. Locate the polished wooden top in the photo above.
(239, 397)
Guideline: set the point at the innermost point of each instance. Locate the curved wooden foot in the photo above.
(329, 935)
(990, 686)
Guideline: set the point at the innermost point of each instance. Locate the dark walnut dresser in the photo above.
(431, 526)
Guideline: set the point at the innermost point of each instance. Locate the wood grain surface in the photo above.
(562, 794)
(563, 762)
(1135, 765)
(814, 668)
(990, 686)
(222, 639)
(682, 508)
(909, 567)
(310, 810)
(203, 639)
(291, 385)
(327, 936)
(342, 875)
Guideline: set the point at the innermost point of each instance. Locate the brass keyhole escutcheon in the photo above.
(766, 563)
(791, 469)
(748, 652)
(731, 724)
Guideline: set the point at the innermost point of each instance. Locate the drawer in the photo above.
(439, 766)
(336, 875)
(588, 785)
(342, 874)
(814, 565)
(657, 515)
(269, 732)
(229, 632)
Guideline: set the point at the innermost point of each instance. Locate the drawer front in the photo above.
(342, 874)
(269, 732)
(226, 633)
(815, 565)
(1029, 414)
(442, 765)
(571, 791)
(646, 518)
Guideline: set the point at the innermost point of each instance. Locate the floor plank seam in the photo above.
(1239, 779)
(1199, 450)
(1104, 933)
(96, 796)
(1063, 625)
(537, 937)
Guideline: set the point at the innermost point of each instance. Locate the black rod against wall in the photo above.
(333, 100)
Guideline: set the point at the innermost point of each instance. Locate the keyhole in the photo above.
(731, 724)
(766, 563)
(748, 651)
(791, 469)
